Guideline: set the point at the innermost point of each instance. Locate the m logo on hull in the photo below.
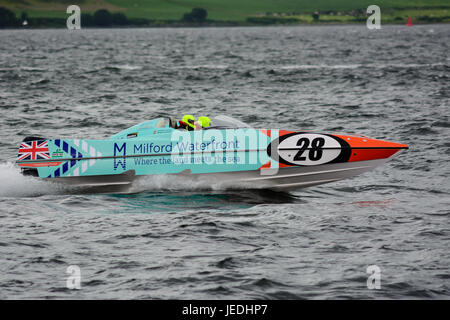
(117, 153)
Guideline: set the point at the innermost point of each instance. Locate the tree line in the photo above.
(100, 18)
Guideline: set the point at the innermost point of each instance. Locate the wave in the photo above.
(123, 67)
(202, 66)
(14, 184)
(33, 69)
(355, 66)
(184, 183)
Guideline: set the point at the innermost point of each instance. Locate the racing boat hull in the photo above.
(232, 157)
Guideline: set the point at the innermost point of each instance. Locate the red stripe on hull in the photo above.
(371, 154)
(37, 165)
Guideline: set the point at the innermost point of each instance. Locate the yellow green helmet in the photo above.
(205, 122)
(189, 120)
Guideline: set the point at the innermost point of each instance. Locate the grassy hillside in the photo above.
(239, 10)
(55, 8)
(235, 10)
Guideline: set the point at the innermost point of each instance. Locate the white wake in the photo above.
(14, 184)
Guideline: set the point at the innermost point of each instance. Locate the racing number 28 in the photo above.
(315, 152)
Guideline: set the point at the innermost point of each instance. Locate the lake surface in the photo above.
(172, 240)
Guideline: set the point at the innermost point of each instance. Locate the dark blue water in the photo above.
(171, 239)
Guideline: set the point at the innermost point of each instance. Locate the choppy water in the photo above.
(172, 240)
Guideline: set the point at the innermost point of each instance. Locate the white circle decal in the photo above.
(309, 149)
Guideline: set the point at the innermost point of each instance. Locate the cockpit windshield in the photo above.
(217, 122)
(226, 122)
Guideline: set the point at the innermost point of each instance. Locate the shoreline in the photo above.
(172, 26)
(198, 17)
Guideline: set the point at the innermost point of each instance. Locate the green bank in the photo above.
(241, 12)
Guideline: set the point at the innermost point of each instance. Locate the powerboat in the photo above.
(229, 152)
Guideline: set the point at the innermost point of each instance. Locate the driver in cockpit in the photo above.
(189, 123)
(202, 122)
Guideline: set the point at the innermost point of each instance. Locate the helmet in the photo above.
(189, 120)
(205, 122)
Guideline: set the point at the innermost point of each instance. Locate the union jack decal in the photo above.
(33, 150)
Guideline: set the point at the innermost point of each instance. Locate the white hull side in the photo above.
(284, 179)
